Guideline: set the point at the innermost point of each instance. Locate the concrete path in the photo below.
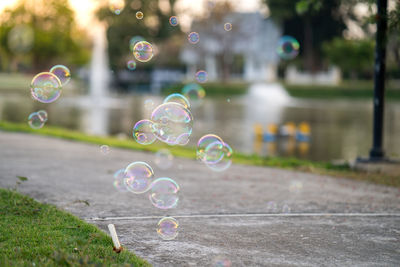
(332, 221)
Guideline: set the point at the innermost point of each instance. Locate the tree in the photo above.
(55, 37)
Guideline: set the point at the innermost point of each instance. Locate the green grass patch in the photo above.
(327, 168)
(35, 234)
(215, 89)
(347, 89)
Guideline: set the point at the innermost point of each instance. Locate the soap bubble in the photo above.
(178, 98)
(139, 15)
(163, 159)
(272, 206)
(164, 193)
(218, 156)
(193, 37)
(201, 76)
(43, 115)
(227, 26)
(286, 209)
(172, 123)
(139, 177)
(194, 93)
(105, 149)
(62, 73)
(131, 65)
(143, 51)
(288, 47)
(173, 21)
(119, 180)
(167, 228)
(134, 40)
(116, 6)
(221, 262)
(149, 104)
(143, 132)
(20, 39)
(46, 87)
(35, 121)
(204, 142)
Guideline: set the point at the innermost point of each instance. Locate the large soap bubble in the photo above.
(139, 177)
(172, 123)
(203, 143)
(167, 228)
(62, 73)
(46, 87)
(143, 132)
(164, 193)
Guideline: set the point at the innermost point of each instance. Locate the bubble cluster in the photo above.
(173, 21)
(194, 93)
(163, 159)
(139, 15)
(167, 228)
(227, 26)
(104, 149)
(201, 76)
(139, 176)
(214, 152)
(46, 87)
(172, 123)
(119, 180)
(131, 65)
(178, 98)
(164, 193)
(288, 47)
(143, 132)
(62, 73)
(134, 40)
(193, 37)
(116, 6)
(36, 121)
(143, 51)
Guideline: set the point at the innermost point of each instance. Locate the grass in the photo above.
(214, 89)
(347, 89)
(325, 168)
(35, 234)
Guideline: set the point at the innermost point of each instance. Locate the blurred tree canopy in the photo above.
(154, 28)
(48, 29)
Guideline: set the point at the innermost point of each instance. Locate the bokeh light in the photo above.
(193, 37)
(131, 65)
(201, 76)
(139, 15)
(173, 21)
(227, 26)
(288, 47)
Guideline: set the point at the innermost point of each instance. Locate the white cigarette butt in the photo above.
(114, 236)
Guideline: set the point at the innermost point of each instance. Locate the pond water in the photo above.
(340, 129)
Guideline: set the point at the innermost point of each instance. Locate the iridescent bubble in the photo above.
(43, 115)
(193, 37)
(149, 104)
(20, 39)
(218, 156)
(62, 73)
(163, 159)
(134, 40)
(119, 180)
(286, 209)
(46, 87)
(288, 47)
(172, 123)
(143, 132)
(167, 228)
(201, 76)
(116, 6)
(131, 65)
(177, 98)
(143, 51)
(104, 149)
(139, 177)
(221, 262)
(139, 15)
(164, 193)
(173, 21)
(204, 142)
(194, 93)
(35, 121)
(227, 26)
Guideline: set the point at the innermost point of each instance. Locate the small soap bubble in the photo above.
(134, 40)
(62, 73)
(143, 132)
(178, 98)
(163, 159)
(173, 21)
(35, 121)
(288, 47)
(167, 228)
(164, 193)
(201, 76)
(227, 26)
(286, 209)
(148, 104)
(193, 37)
(139, 177)
(43, 115)
(194, 93)
(119, 180)
(104, 149)
(116, 6)
(221, 261)
(139, 15)
(143, 51)
(272, 206)
(131, 65)
(46, 87)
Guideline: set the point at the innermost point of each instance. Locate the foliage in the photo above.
(55, 37)
(35, 234)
